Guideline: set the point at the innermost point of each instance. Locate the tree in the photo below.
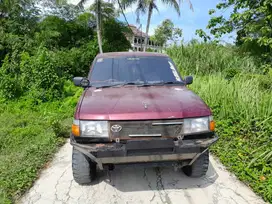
(165, 32)
(148, 6)
(252, 22)
(202, 34)
(103, 10)
(98, 21)
(113, 36)
(107, 11)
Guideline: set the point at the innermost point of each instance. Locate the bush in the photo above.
(36, 74)
(265, 82)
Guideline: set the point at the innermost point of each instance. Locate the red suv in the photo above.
(137, 109)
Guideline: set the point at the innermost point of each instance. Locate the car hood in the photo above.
(140, 103)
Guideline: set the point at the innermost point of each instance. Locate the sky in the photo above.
(189, 21)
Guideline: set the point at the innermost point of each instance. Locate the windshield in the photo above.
(134, 71)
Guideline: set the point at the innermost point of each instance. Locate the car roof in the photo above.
(129, 54)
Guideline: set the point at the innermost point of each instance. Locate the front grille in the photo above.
(152, 128)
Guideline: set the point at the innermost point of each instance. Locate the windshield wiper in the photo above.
(162, 83)
(144, 84)
(170, 82)
(141, 84)
(117, 85)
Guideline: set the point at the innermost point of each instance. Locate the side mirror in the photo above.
(81, 81)
(188, 80)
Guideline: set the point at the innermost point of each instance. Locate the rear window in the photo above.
(133, 69)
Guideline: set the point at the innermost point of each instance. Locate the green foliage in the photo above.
(107, 10)
(55, 32)
(166, 32)
(206, 58)
(149, 50)
(30, 138)
(243, 113)
(240, 97)
(114, 39)
(251, 20)
(201, 33)
(55, 49)
(23, 73)
(230, 73)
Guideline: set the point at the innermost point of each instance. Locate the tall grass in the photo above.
(30, 134)
(243, 113)
(203, 58)
(239, 97)
(241, 102)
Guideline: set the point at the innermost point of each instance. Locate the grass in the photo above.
(204, 58)
(244, 124)
(30, 135)
(241, 101)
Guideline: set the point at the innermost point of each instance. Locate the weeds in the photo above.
(30, 135)
(241, 101)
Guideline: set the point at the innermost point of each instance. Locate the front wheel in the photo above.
(200, 166)
(84, 170)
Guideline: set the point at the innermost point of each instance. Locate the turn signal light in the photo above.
(75, 130)
(212, 125)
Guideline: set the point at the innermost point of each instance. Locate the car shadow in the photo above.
(138, 178)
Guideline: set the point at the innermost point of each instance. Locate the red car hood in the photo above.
(140, 103)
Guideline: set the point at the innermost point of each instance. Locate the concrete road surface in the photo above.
(137, 185)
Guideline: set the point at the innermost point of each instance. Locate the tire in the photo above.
(84, 171)
(199, 168)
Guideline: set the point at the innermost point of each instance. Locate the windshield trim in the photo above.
(181, 83)
(136, 56)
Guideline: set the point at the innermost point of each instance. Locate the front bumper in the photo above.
(142, 151)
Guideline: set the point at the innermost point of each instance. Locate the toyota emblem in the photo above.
(116, 128)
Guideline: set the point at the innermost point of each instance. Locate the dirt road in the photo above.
(137, 185)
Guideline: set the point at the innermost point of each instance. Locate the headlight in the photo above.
(195, 125)
(93, 128)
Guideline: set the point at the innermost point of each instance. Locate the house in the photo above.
(137, 40)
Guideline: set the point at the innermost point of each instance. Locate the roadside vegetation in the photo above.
(236, 82)
(240, 96)
(30, 134)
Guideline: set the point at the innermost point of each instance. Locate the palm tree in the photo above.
(98, 21)
(103, 10)
(107, 10)
(150, 5)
